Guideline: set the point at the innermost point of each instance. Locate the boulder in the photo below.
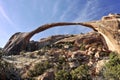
(47, 76)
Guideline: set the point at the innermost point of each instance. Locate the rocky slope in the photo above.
(61, 54)
(87, 56)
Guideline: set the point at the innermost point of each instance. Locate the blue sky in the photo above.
(26, 15)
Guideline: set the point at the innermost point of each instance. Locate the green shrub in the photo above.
(82, 47)
(39, 68)
(61, 59)
(63, 75)
(8, 71)
(113, 55)
(1, 54)
(81, 73)
(112, 68)
(22, 52)
(103, 54)
(60, 63)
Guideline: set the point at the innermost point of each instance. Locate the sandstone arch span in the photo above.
(108, 27)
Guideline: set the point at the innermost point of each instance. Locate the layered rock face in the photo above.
(108, 27)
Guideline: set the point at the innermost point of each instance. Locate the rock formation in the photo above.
(63, 52)
(108, 27)
(19, 41)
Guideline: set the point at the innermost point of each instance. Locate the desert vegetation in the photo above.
(90, 56)
(68, 61)
(111, 71)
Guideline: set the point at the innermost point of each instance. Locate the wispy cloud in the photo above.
(8, 19)
(93, 10)
(68, 9)
(5, 31)
(55, 8)
(88, 11)
(3, 13)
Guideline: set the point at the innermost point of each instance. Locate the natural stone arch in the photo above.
(19, 40)
(108, 27)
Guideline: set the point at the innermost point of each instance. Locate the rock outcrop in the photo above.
(108, 27)
(66, 52)
(47, 76)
